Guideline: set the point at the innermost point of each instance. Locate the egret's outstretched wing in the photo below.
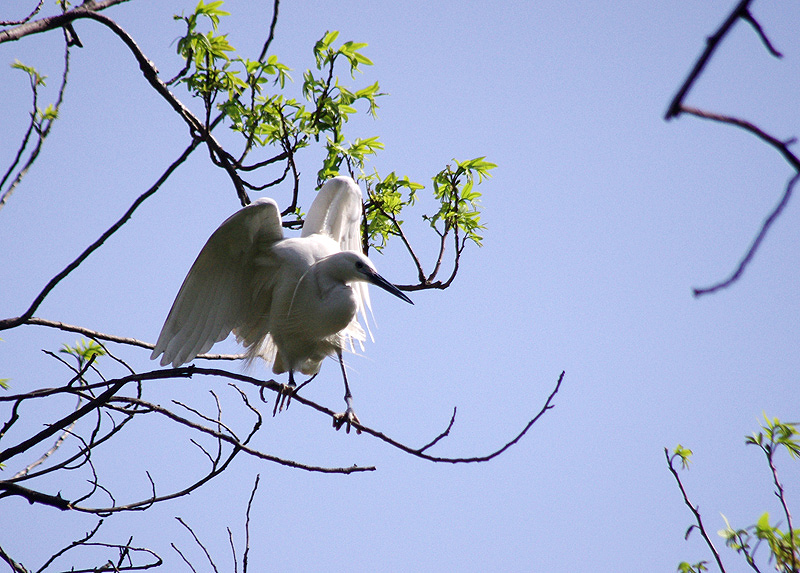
(336, 212)
(225, 288)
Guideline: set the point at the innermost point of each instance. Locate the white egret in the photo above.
(291, 301)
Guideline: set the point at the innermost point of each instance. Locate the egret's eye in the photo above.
(359, 265)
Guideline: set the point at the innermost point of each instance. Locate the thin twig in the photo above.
(756, 243)
(271, 36)
(247, 524)
(674, 109)
(14, 322)
(199, 543)
(442, 435)
(781, 146)
(779, 493)
(25, 19)
(43, 130)
(15, 567)
(695, 511)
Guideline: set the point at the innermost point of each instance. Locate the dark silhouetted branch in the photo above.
(741, 11)
(695, 511)
(756, 243)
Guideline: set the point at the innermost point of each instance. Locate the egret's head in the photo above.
(350, 266)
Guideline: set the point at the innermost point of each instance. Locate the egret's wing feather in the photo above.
(336, 212)
(218, 293)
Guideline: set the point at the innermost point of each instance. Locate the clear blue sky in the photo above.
(600, 219)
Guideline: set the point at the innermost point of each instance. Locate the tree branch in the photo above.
(741, 11)
(94, 334)
(756, 243)
(7, 323)
(694, 511)
(10, 488)
(52, 22)
(781, 146)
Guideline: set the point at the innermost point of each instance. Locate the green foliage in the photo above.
(272, 118)
(776, 434)
(781, 543)
(387, 198)
(685, 455)
(84, 350)
(35, 77)
(207, 54)
(783, 540)
(684, 567)
(454, 188)
(252, 99)
(41, 117)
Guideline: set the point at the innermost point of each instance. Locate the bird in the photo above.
(292, 301)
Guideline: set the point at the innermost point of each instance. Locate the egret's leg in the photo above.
(304, 383)
(349, 415)
(285, 395)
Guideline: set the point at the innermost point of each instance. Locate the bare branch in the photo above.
(232, 440)
(52, 22)
(476, 459)
(42, 131)
(63, 423)
(781, 146)
(199, 543)
(674, 109)
(279, 388)
(741, 11)
(15, 567)
(25, 19)
(10, 488)
(14, 322)
(247, 524)
(185, 560)
(94, 334)
(76, 543)
(748, 17)
(271, 35)
(695, 511)
(756, 243)
(442, 435)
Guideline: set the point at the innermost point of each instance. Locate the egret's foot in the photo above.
(284, 397)
(346, 418)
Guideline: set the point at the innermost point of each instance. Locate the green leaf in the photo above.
(83, 350)
(330, 38)
(763, 522)
(684, 454)
(36, 78)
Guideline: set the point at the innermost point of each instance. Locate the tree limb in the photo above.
(756, 243)
(741, 11)
(694, 511)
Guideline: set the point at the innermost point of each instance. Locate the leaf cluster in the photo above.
(783, 545)
(782, 541)
(251, 96)
(84, 351)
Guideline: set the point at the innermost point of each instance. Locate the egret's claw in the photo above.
(348, 417)
(284, 397)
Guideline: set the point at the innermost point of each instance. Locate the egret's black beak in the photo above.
(379, 281)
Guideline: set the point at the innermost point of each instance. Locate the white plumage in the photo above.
(290, 301)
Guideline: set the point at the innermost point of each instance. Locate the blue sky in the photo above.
(600, 219)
